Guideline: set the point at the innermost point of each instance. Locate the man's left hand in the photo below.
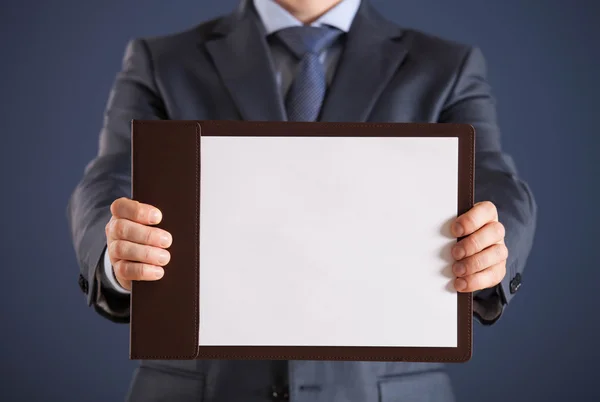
(481, 255)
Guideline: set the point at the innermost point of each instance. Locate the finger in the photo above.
(135, 271)
(474, 219)
(126, 250)
(107, 229)
(132, 210)
(124, 283)
(481, 280)
(488, 235)
(123, 229)
(495, 254)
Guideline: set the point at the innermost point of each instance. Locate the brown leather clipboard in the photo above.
(166, 173)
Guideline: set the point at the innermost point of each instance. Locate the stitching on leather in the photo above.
(197, 248)
(471, 198)
(339, 124)
(198, 355)
(189, 123)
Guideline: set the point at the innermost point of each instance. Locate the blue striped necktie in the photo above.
(305, 96)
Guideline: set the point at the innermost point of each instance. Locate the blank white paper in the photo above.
(327, 241)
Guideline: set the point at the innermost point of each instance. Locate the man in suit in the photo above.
(263, 62)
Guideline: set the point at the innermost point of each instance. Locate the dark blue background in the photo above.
(59, 59)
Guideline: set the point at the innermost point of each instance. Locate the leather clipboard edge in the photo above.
(160, 330)
(466, 200)
(463, 352)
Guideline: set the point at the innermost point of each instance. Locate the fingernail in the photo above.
(457, 229)
(458, 252)
(165, 240)
(154, 216)
(163, 257)
(158, 272)
(459, 269)
(460, 284)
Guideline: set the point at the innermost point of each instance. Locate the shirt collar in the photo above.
(274, 17)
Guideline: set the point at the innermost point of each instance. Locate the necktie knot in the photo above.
(306, 39)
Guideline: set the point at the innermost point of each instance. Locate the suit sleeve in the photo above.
(108, 177)
(496, 180)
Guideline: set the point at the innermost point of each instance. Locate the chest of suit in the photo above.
(234, 77)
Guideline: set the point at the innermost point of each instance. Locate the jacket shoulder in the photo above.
(181, 41)
(434, 47)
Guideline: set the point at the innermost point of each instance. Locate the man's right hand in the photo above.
(136, 249)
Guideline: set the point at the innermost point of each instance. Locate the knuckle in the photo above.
(148, 235)
(147, 254)
(120, 249)
(469, 222)
(499, 229)
(141, 271)
(133, 269)
(121, 269)
(471, 244)
(477, 282)
(110, 227)
(111, 248)
(129, 269)
(120, 229)
(501, 252)
(471, 283)
(475, 264)
(118, 268)
(139, 212)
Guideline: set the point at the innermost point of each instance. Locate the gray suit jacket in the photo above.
(220, 70)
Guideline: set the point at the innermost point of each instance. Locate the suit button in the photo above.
(83, 284)
(280, 394)
(515, 283)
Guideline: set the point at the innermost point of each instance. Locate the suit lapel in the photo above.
(241, 56)
(371, 56)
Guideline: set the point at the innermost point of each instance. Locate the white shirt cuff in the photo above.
(110, 276)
